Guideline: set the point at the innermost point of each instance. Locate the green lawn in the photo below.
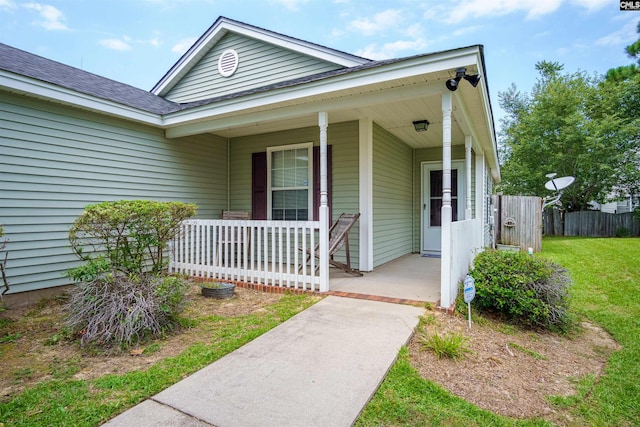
(606, 273)
(64, 401)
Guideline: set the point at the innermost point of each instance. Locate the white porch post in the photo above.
(467, 157)
(323, 122)
(365, 130)
(481, 209)
(446, 299)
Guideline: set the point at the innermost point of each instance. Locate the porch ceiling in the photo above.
(393, 98)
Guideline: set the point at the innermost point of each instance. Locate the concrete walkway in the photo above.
(319, 368)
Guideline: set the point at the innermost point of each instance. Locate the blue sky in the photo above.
(137, 41)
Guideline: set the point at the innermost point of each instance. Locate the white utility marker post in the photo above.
(323, 122)
(469, 293)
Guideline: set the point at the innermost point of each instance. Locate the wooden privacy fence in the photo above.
(518, 221)
(589, 223)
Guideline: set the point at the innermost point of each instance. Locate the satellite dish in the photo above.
(559, 183)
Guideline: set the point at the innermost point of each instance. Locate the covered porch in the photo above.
(362, 155)
(411, 277)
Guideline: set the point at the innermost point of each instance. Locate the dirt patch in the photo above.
(33, 347)
(510, 371)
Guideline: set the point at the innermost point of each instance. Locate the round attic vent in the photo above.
(228, 63)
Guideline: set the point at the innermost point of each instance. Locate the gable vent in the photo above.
(228, 63)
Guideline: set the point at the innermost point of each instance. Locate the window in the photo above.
(262, 194)
(289, 182)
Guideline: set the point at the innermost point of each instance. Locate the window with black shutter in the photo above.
(289, 192)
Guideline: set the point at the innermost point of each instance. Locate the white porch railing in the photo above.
(266, 252)
(464, 245)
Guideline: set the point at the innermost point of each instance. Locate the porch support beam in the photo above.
(323, 122)
(481, 198)
(446, 298)
(365, 137)
(467, 157)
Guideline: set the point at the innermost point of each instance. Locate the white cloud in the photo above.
(183, 45)
(53, 19)
(7, 4)
(291, 4)
(465, 30)
(393, 49)
(390, 18)
(486, 8)
(115, 44)
(483, 8)
(624, 36)
(591, 5)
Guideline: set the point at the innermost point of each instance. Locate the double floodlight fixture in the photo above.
(421, 125)
(461, 73)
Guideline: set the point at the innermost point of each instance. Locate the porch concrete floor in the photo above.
(411, 277)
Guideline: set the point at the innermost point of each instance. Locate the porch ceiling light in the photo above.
(421, 125)
(461, 73)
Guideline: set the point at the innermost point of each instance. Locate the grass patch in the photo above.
(606, 275)
(606, 290)
(65, 401)
(428, 319)
(453, 345)
(526, 351)
(406, 399)
(10, 338)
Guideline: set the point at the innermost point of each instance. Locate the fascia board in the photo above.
(38, 89)
(324, 53)
(216, 32)
(400, 70)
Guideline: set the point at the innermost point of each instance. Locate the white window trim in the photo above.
(309, 147)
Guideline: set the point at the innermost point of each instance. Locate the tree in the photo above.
(622, 90)
(625, 72)
(562, 127)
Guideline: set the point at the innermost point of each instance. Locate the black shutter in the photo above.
(316, 182)
(259, 189)
(259, 185)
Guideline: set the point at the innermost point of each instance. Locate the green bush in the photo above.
(131, 235)
(530, 291)
(121, 294)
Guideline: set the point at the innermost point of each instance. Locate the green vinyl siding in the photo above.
(260, 64)
(56, 160)
(343, 138)
(392, 197)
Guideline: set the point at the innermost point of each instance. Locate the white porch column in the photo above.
(481, 197)
(467, 157)
(323, 122)
(365, 130)
(446, 298)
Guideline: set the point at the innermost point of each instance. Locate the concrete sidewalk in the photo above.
(319, 368)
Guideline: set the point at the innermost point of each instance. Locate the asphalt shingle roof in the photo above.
(27, 64)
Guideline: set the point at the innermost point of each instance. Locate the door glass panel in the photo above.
(435, 198)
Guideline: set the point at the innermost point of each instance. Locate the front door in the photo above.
(432, 202)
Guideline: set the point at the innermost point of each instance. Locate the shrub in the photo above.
(121, 295)
(530, 291)
(120, 311)
(623, 232)
(130, 235)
